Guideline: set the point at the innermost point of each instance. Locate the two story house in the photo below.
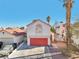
(38, 33)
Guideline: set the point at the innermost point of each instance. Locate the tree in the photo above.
(48, 19)
(22, 28)
(52, 29)
(68, 5)
(9, 28)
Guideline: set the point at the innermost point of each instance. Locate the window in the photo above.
(2, 32)
(38, 28)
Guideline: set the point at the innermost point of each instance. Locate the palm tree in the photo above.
(68, 5)
(48, 19)
(68, 17)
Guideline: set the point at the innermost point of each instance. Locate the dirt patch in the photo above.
(59, 44)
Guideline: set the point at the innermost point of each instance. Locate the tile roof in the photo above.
(15, 32)
(19, 33)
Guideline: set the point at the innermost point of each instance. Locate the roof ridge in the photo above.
(38, 20)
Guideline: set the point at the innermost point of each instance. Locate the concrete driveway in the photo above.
(36, 52)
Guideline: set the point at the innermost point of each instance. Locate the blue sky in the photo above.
(21, 12)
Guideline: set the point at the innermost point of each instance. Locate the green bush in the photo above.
(52, 29)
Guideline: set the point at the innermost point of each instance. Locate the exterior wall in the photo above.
(18, 39)
(6, 35)
(6, 41)
(32, 34)
(6, 38)
(52, 37)
(60, 31)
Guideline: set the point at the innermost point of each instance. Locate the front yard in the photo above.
(6, 50)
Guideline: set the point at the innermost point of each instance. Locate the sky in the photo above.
(17, 13)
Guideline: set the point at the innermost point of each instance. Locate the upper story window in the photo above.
(38, 28)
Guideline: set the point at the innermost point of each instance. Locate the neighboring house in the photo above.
(52, 36)
(38, 33)
(60, 31)
(9, 36)
(75, 36)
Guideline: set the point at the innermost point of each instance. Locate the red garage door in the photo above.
(39, 41)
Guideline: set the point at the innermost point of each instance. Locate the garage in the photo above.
(39, 41)
(38, 33)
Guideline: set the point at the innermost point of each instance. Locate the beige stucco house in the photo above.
(9, 36)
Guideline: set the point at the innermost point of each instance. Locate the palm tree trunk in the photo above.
(68, 16)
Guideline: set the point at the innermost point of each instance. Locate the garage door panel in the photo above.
(39, 41)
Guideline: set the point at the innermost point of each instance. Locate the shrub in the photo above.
(52, 29)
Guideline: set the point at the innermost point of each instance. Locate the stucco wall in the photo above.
(18, 39)
(32, 34)
(8, 38)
